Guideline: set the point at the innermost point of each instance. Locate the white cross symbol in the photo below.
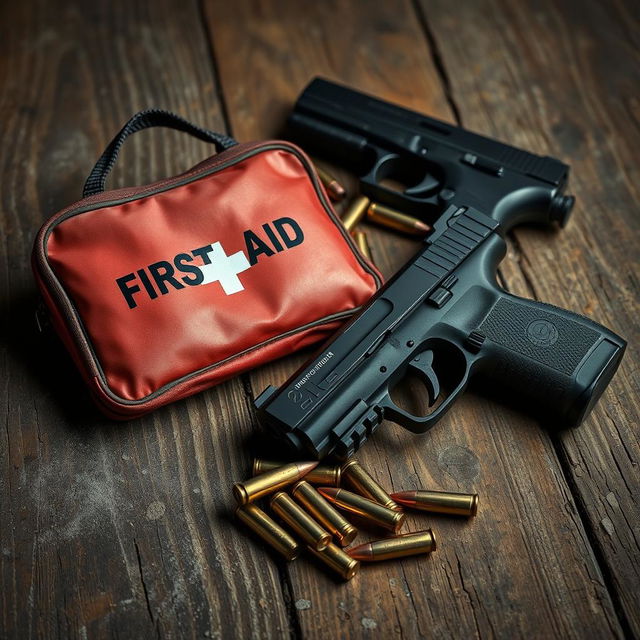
(225, 269)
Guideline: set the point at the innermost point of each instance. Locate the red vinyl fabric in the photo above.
(164, 290)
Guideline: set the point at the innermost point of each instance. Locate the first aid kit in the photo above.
(163, 290)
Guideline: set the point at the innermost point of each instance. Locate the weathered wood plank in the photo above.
(524, 566)
(500, 56)
(106, 529)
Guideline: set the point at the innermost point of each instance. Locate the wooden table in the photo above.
(124, 530)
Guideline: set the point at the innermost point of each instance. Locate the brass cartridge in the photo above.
(355, 476)
(332, 520)
(268, 530)
(456, 504)
(408, 544)
(334, 557)
(355, 212)
(266, 483)
(300, 521)
(335, 190)
(367, 509)
(363, 243)
(324, 474)
(387, 217)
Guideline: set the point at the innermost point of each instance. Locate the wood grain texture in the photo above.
(586, 112)
(525, 566)
(125, 530)
(107, 529)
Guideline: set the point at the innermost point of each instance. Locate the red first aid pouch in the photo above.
(163, 290)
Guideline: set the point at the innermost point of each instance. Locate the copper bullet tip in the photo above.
(361, 552)
(305, 467)
(405, 497)
(421, 226)
(338, 191)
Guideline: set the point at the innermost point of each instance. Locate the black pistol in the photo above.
(443, 316)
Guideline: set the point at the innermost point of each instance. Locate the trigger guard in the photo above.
(415, 424)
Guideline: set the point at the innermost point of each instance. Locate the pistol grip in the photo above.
(554, 360)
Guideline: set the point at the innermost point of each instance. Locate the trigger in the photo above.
(422, 366)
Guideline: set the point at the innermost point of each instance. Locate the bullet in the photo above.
(355, 212)
(300, 521)
(355, 476)
(271, 481)
(324, 474)
(363, 244)
(457, 504)
(334, 557)
(397, 220)
(368, 509)
(409, 544)
(269, 531)
(335, 190)
(332, 520)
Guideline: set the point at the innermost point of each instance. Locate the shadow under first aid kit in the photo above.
(163, 290)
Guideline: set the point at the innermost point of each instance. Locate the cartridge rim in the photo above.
(296, 486)
(348, 463)
(347, 535)
(323, 542)
(399, 520)
(276, 496)
(352, 569)
(434, 544)
(240, 494)
(255, 466)
(474, 504)
(347, 571)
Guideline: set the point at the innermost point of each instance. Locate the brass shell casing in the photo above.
(324, 474)
(334, 557)
(300, 521)
(367, 509)
(331, 519)
(355, 476)
(271, 532)
(266, 483)
(362, 242)
(387, 217)
(355, 212)
(335, 190)
(455, 504)
(408, 544)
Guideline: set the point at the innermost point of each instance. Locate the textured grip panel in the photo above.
(540, 332)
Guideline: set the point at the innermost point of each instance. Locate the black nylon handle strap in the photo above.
(144, 120)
